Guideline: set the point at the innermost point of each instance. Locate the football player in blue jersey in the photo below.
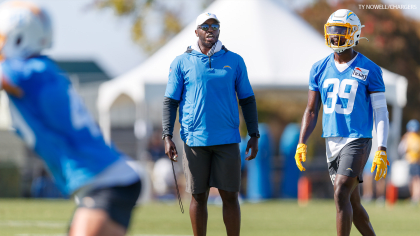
(351, 90)
(51, 119)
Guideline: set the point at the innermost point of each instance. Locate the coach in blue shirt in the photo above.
(205, 83)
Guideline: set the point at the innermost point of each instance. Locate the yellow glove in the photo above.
(380, 160)
(300, 156)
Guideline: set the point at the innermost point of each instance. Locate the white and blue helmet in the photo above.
(25, 29)
(343, 23)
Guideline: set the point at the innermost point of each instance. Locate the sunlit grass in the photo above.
(50, 217)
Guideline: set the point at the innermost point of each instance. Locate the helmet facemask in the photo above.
(338, 32)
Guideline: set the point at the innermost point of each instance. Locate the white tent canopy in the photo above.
(278, 46)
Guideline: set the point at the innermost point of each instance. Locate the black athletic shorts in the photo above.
(117, 201)
(351, 160)
(216, 166)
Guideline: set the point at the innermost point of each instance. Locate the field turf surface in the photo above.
(50, 218)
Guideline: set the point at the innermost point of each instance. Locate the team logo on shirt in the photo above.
(332, 178)
(360, 73)
(227, 67)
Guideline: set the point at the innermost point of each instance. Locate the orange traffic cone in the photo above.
(391, 194)
(304, 191)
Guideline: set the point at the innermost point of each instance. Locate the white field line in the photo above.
(40, 234)
(40, 224)
(128, 235)
(46, 224)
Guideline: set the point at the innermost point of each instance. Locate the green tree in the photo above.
(394, 41)
(168, 13)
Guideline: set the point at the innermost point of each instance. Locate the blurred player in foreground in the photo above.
(50, 117)
(410, 148)
(351, 89)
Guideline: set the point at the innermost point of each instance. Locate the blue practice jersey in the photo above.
(207, 89)
(52, 120)
(345, 96)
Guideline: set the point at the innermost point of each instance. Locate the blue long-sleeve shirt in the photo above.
(208, 88)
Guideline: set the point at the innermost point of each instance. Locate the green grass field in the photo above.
(50, 217)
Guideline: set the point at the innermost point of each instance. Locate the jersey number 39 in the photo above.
(347, 89)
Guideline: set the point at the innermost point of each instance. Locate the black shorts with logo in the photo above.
(216, 166)
(351, 160)
(117, 201)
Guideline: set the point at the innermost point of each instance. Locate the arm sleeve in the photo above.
(380, 112)
(175, 84)
(249, 110)
(313, 83)
(242, 85)
(169, 115)
(376, 82)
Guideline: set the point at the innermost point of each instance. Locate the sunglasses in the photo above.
(206, 27)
